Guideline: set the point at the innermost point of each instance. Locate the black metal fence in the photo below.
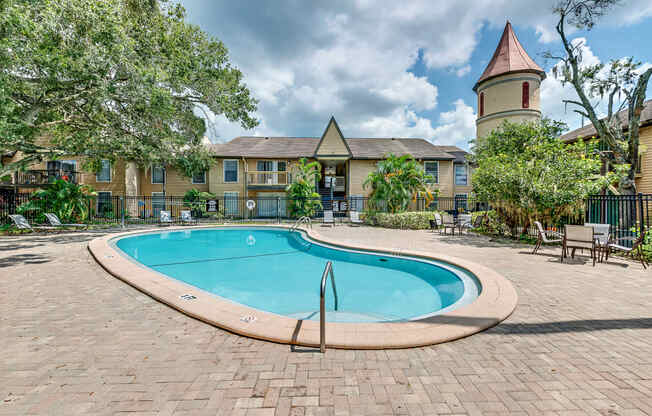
(147, 209)
(628, 215)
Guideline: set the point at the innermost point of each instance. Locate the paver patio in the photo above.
(75, 340)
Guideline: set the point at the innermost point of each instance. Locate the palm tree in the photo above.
(68, 200)
(395, 182)
(303, 197)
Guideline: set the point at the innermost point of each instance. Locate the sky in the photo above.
(394, 69)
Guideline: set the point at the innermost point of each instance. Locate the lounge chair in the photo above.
(186, 218)
(22, 224)
(635, 251)
(354, 216)
(165, 218)
(328, 218)
(448, 222)
(56, 222)
(545, 237)
(578, 236)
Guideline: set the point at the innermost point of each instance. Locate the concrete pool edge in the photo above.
(495, 303)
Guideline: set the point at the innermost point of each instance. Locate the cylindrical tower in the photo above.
(509, 87)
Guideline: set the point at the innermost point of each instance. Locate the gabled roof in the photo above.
(339, 138)
(589, 131)
(361, 148)
(509, 57)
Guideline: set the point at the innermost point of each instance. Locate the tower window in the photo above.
(481, 104)
(526, 95)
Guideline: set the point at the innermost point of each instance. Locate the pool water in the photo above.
(280, 271)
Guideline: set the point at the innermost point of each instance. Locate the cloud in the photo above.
(463, 70)
(456, 127)
(306, 61)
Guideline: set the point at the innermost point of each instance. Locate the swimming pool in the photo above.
(278, 271)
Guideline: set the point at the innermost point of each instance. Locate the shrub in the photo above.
(402, 220)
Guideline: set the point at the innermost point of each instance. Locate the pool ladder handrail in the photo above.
(328, 270)
(302, 220)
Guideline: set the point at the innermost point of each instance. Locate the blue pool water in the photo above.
(279, 272)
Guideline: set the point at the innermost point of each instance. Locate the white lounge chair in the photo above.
(165, 218)
(355, 218)
(186, 218)
(56, 222)
(22, 224)
(328, 218)
(545, 237)
(448, 222)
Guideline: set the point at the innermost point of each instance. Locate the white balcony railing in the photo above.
(267, 178)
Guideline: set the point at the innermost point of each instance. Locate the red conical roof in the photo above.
(509, 57)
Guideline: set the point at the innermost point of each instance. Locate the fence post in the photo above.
(640, 213)
(278, 209)
(122, 210)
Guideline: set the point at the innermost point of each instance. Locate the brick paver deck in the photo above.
(75, 340)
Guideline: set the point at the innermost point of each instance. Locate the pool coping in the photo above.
(496, 302)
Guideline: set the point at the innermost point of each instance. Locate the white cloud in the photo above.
(456, 126)
(463, 70)
(305, 62)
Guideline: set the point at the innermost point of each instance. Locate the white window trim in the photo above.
(237, 170)
(192, 179)
(466, 170)
(97, 200)
(110, 173)
(424, 168)
(151, 176)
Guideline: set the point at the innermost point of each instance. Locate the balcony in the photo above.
(44, 177)
(267, 179)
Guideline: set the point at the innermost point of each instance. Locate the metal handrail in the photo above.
(302, 220)
(322, 304)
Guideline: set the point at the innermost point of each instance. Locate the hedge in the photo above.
(404, 220)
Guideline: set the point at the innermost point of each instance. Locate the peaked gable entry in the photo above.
(332, 143)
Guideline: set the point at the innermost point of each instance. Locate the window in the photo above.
(230, 170)
(481, 104)
(231, 206)
(526, 95)
(62, 169)
(432, 169)
(104, 174)
(104, 204)
(199, 178)
(158, 174)
(461, 202)
(461, 175)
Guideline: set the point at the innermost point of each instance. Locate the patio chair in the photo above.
(635, 251)
(56, 222)
(165, 218)
(578, 236)
(186, 218)
(436, 223)
(464, 221)
(354, 216)
(545, 237)
(475, 225)
(601, 236)
(448, 222)
(328, 218)
(22, 224)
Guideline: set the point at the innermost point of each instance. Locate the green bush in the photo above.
(402, 220)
